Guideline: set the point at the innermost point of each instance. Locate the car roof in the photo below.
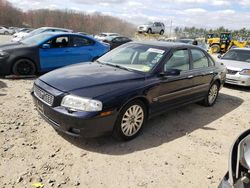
(109, 33)
(54, 28)
(164, 44)
(53, 34)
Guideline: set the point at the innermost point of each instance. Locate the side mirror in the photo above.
(46, 46)
(239, 163)
(171, 72)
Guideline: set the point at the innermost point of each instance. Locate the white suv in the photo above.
(152, 27)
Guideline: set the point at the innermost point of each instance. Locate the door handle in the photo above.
(190, 76)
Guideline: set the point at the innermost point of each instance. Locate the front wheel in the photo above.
(130, 121)
(149, 31)
(212, 95)
(161, 32)
(24, 67)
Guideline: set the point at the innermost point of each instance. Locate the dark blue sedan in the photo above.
(122, 89)
(48, 51)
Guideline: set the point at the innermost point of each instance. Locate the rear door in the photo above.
(176, 90)
(203, 71)
(82, 49)
(57, 55)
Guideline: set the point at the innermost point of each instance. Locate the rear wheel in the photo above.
(212, 95)
(130, 120)
(161, 32)
(6, 32)
(24, 67)
(215, 48)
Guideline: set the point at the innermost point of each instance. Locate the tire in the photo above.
(149, 31)
(6, 32)
(212, 95)
(161, 32)
(215, 48)
(130, 121)
(24, 67)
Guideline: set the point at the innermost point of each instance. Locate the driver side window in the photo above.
(179, 60)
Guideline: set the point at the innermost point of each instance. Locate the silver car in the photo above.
(237, 61)
(152, 27)
(5, 31)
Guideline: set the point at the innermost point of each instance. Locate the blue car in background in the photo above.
(48, 51)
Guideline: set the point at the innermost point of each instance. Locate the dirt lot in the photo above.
(5, 38)
(187, 147)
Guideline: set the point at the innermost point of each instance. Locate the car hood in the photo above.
(12, 46)
(87, 75)
(235, 65)
(21, 34)
(144, 25)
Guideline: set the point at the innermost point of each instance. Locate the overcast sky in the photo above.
(233, 14)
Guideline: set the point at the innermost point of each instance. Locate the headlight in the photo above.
(3, 54)
(245, 72)
(83, 104)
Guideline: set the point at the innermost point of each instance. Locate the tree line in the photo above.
(77, 21)
(193, 32)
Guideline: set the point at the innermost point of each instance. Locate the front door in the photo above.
(175, 90)
(56, 54)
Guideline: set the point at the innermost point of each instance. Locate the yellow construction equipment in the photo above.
(223, 43)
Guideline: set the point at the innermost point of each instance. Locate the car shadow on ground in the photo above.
(164, 128)
(2, 86)
(236, 87)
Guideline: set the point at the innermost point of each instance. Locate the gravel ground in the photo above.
(187, 147)
(5, 38)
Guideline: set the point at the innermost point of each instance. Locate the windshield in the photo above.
(36, 31)
(238, 55)
(36, 39)
(136, 57)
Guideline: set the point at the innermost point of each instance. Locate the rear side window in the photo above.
(81, 41)
(200, 60)
(179, 60)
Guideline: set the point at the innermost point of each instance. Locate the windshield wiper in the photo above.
(118, 66)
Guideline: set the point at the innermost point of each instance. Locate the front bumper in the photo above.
(78, 124)
(238, 79)
(5, 66)
(144, 29)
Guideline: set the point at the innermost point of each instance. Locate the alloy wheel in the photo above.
(132, 120)
(213, 92)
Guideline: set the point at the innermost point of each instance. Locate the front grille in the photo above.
(233, 72)
(43, 95)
